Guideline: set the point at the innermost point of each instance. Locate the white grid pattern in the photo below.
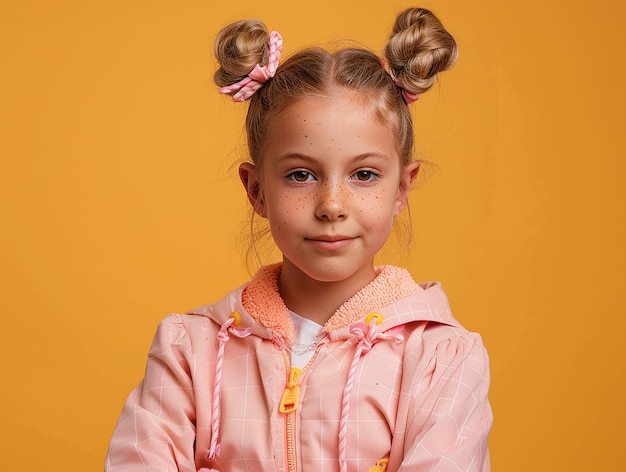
(421, 402)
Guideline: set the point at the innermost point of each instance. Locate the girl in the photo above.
(323, 361)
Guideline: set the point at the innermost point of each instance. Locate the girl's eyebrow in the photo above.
(358, 157)
(290, 156)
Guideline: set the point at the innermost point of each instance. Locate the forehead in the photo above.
(339, 99)
(342, 125)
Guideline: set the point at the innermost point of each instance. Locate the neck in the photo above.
(314, 299)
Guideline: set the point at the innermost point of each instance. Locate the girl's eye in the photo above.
(300, 176)
(365, 175)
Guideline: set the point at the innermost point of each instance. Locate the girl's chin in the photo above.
(330, 273)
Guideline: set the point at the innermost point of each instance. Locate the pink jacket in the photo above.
(408, 394)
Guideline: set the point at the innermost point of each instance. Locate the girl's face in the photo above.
(330, 184)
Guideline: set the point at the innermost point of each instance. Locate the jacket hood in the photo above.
(393, 294)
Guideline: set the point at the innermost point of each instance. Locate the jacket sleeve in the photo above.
(156, 429)
(449, 425)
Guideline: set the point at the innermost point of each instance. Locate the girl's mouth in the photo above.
(330, 243)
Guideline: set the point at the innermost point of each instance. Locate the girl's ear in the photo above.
(250, 180)
(409, 174)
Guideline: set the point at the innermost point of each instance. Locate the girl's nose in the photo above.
(332, 202)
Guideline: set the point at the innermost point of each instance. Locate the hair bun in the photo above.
(418, 49)
(238, 48)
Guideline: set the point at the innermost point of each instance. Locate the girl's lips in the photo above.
(331, 244)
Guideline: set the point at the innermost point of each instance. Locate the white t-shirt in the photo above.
(307, 333)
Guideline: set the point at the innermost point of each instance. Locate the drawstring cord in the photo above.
(223, 337)
(367, 335)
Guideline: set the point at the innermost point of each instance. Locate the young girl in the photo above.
(323, 361)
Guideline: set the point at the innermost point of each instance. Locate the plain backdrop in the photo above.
(119, 204)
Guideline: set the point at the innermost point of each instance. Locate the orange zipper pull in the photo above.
(291, 395)
(381, 466)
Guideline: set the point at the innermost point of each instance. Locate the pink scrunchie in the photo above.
(246, 87)
(409, 97)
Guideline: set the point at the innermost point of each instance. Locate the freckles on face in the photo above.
(288, 207)
(330, 170)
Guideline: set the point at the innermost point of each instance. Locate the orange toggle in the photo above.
(237, 317)
(378, 316)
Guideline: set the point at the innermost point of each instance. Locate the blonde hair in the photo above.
(418, 48)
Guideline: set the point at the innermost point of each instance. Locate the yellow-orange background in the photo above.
(118, 206)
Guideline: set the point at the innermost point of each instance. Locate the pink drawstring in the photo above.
(246, 87)
(367, 335)
(223, 337)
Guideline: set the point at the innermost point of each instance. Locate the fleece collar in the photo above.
(261, 299)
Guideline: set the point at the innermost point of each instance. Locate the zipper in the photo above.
(290, 441)
(288, 406)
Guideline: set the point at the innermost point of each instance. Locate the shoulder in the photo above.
(186, 331)
(218, 311)
(432, 335)
(436, 352)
